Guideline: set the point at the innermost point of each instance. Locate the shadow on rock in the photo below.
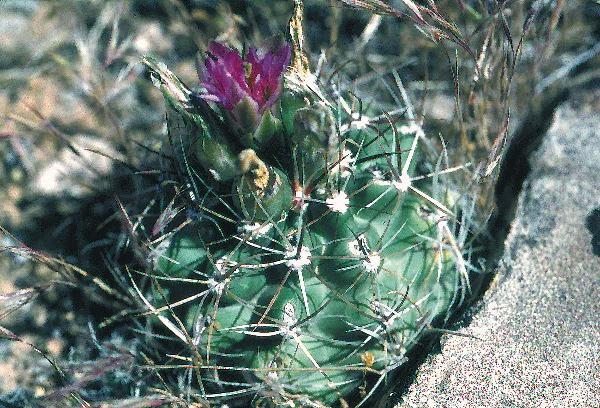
(592, 222)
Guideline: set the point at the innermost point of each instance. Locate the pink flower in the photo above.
(244, 86)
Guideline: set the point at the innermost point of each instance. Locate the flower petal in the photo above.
(264, 80)
(223, 75)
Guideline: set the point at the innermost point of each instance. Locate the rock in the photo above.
(76, 174)
(538, 328)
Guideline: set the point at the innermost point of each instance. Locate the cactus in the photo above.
(309, 253)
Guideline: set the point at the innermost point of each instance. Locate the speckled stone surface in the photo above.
(538, 331)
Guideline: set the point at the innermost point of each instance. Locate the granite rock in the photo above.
(537, 332)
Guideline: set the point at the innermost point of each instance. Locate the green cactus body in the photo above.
(324, 262)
